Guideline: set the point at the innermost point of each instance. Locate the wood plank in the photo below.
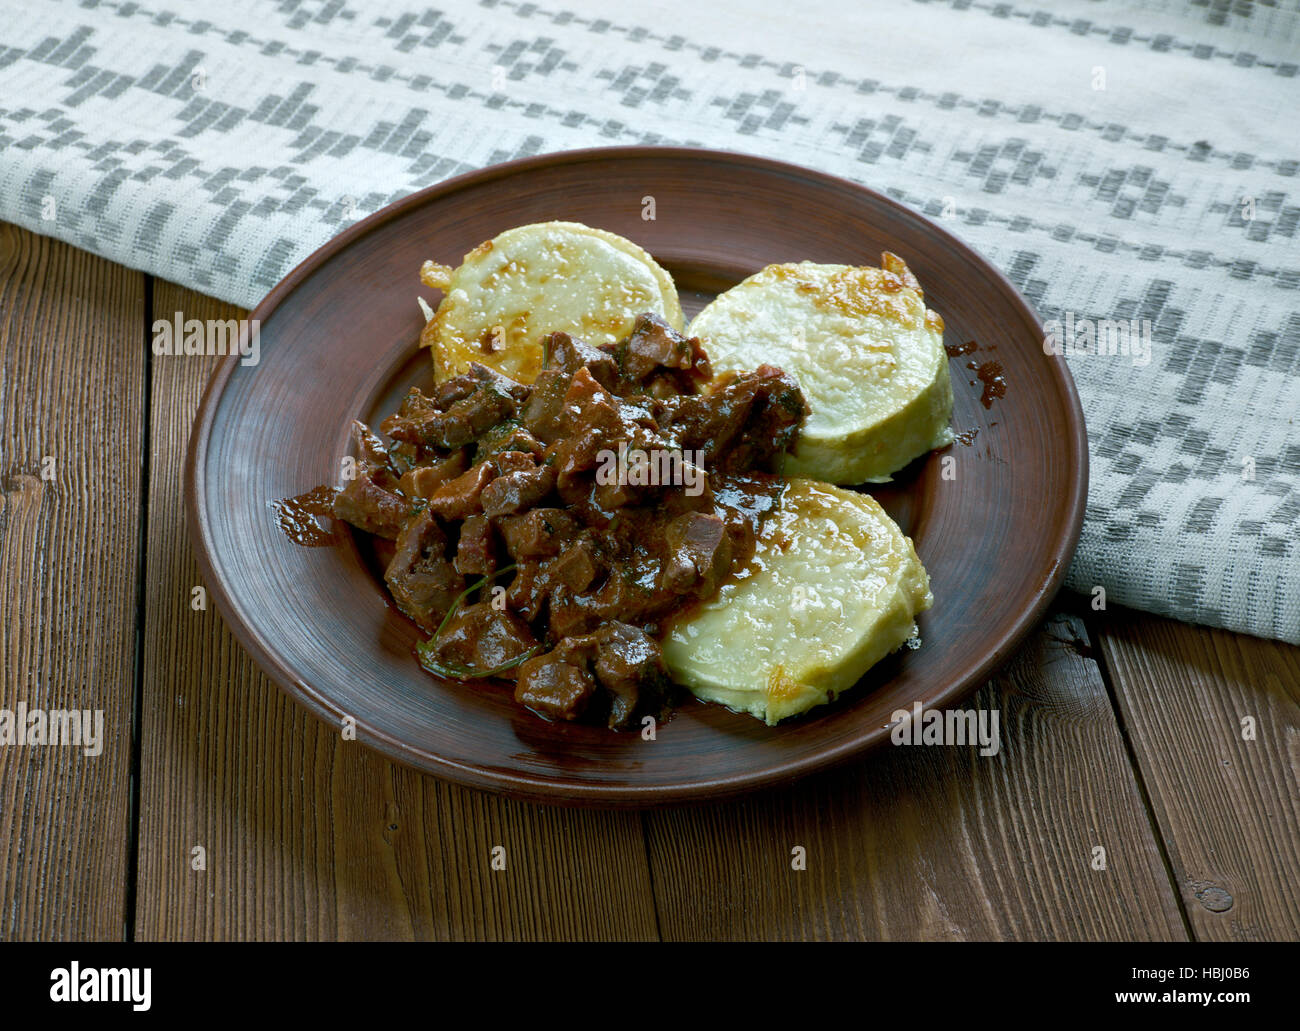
(936, 842)
(1228, 808)
(72, 367)
(307, 835)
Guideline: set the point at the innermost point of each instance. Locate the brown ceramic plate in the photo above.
(338, 341)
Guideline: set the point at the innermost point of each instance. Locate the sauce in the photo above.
(988, 373)
(995, 385)
(298, 517)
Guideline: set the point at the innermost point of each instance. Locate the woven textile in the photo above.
(1132, 167)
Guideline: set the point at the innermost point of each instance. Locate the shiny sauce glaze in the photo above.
(299, 518)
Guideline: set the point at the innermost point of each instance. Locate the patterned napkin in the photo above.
(1131, 166)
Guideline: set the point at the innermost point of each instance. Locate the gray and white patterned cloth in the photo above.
(1119, 160)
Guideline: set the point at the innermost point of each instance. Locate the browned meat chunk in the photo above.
(552, 687)
(508, 436)
(698, 554)
(370, 502)
(743, 421)
(628, 665)
(629, 678)
(569, 614)
(538, 533)
(476, 550)
(420, 421)
(596, 426)
(529, 590)
(541, 412)
(576, 568)
(419, 576)
(460, 387)
(556, 579)
(744, 500)
(481, 641)
(462, 496)
(569, 355)
(656, 354)
(498, 381)
(515, 491)
(588, 405)
(629, 592)
(422, 480)
(371, 447)
(449, 392)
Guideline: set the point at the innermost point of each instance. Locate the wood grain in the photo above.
(936, 842)
(308, 835)
(1228, 808)
(72, 364)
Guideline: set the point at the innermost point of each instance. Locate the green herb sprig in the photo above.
(427, 650)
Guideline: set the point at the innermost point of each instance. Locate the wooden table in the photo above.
(1120, 730)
